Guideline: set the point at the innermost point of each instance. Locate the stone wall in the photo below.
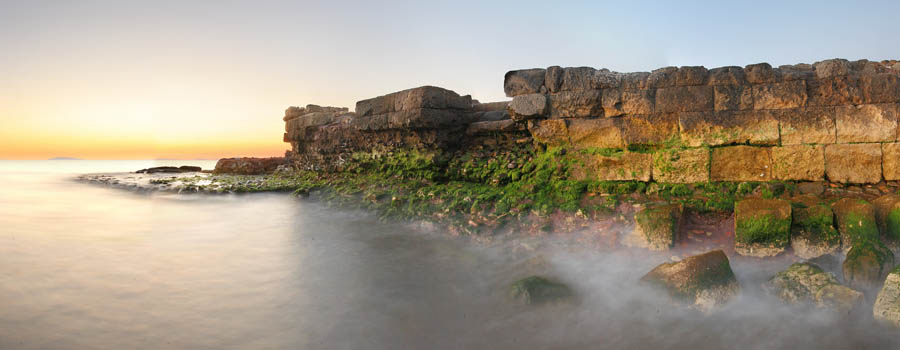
(834, 120)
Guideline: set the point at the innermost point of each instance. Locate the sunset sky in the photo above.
(210, 79)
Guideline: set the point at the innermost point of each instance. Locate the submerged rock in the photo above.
(656, 227)
(808, 283)
(761, 227)
(812, 228)
(887, 304)
(539, 290)
(866, 264)
(704, 280)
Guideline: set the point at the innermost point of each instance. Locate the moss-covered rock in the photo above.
(812, 228)
(656, 227)
(539, 290)
(887, 216)
(855, 219)
(887, 304)
(866, 264)
(761, 226)
(704, 280)
(808, 283)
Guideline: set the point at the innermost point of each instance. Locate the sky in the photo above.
(211, 79)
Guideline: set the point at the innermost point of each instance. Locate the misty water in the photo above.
(88, 267)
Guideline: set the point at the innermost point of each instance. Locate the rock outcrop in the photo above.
(248, 166)
(704, 281)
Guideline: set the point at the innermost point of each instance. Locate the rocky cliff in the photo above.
(834, 120)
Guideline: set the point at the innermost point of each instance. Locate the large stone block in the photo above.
(812, 228)
(664, 77)
(809, 125)
(553, 78)
(880, 88)
(528, 106)
(526, 81)
(576, 104)
(595, 133)
(728, 127)
(653, 129)
(789, 94)
(489, 127)
(834, 91)
(890, 153)
(762, 227)
(853, 163)
(732, 75)
(799, 162)
(656, 227)
(681, 166)
(741, 163)
(832, 68)
(691, 75)
(761, 73)
(684, 99)
(577, 79)
(733, 97)
(427, 118)
(618, 102)
(866, 123)
(624, 166)
(552, 132)
(704, 280)
(430, 97)
(635, 80)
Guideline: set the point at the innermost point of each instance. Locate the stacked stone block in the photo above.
(834, 120)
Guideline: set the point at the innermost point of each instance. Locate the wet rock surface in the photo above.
(887, 304)
(704, 281)
(761, 227)
(808, 283)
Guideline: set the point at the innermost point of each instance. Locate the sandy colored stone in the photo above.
(762, 227)
(618, 102)
(733, 97)
(425, 97)
(799, 163)
(761, 73)
(741, 163)
(866, 123)
(553, 132)
(652, 129)
(627, 166)
(576, 104)
(684, 99)
(731, 75)
(890, 162)
(525, 81)
(691, 75)
(853, 163)
(808, 283)
(880, 88)
(705, 281)
(809, 125)
(487, 127)
(681, 166)
(834, 91)
(528, 106)
(655, 228)
(728, 127)
(789, 94)
(887, 303)
(595, 133)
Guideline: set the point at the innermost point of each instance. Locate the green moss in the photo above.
(858, 227)
(893, 225)
(764, 229)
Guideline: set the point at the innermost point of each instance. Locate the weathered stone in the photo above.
(834, 91)
(797, 72)
(576, 104)
(681, 166)
(887, 304)
(855, 221)
(595, 133)
(427, 118)
(692, 75)
(520, 82)
(761, 73)
(656, 228)
(499, 106)
(487, 127)
(653, 129)
(704, 280)
(553, 78)
(577, 79)
(866, 264)
(809, 125)
(866, 123)
(853, 163)
(761, 226)
(684, 99)
(622, 166)
(528, 106)
(635, 81)
(662, 78)
(814, 188)
(539, 290)
(728, 127)
(799, 162)
(732, 75)
(887, 216)
(890, 153)
(880, 88)
(741, 163)
(832, 68)
(492, 116)
(790, 94)
(292, 112)
(808, 283)
(627, 102)
(604, 79)
(733, 97)
(812, 228)
(248, 166)
(553, 132)
(425, 97)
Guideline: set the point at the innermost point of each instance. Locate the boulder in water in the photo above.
(656, 227)
(539, 290)
(808, 283)
(866, 264)
(704, 280)
(812, 228)
(887, 304)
